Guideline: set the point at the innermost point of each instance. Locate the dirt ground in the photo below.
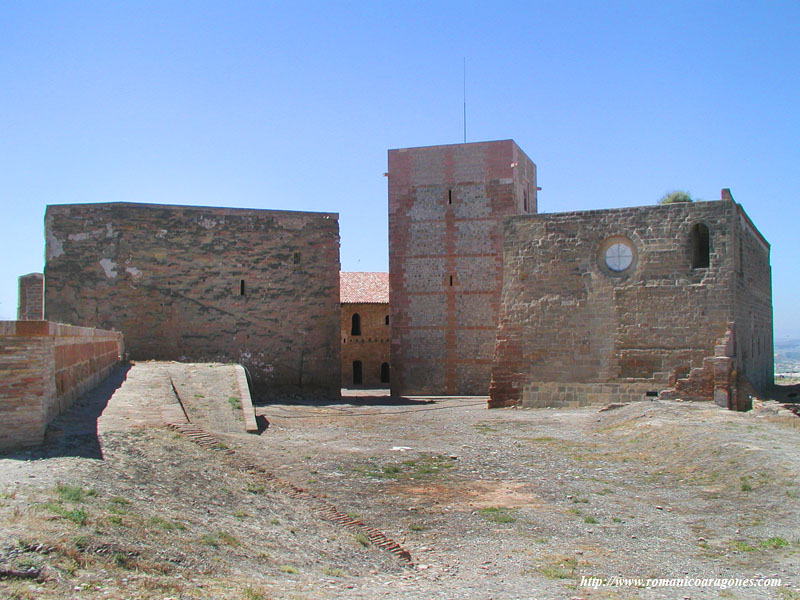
(491, 504)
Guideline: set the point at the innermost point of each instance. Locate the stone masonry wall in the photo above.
(754, 351)
(43, 368)
(446, 204)
(256, 287)
(31, 297)
(568, 319)
(371, 347)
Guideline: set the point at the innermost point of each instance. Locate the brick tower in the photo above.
(446, 206)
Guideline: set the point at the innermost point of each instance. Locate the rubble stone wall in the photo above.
(567, 318)
(31, 297)
(256, 287)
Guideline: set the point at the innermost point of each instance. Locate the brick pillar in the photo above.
(31, 297)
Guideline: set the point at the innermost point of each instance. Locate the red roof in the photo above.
(364, 288)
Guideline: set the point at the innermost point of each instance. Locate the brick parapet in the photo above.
(44, 366)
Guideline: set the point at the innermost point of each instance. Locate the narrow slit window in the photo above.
(449, 196)
(241, 287)
(358, 374)
(451, 280)
(355, 326)
(387, 319)
(701, 248)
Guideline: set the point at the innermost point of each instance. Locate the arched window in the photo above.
(355, 329)
(358, 376)
(385, 373)
(701, 248)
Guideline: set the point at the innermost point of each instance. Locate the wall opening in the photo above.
(700, 246)
(387, 319)
(355, 328)
(525, 200)
(449, 196)
(451, 280)
(358, 375)
(241, 287)
(385, 372)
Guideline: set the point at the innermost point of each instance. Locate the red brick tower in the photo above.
(446, 206)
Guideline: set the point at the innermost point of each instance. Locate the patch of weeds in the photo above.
(409, 469)
(115, 520)
(9, 495)
(793, 494)
(252, 594)
(483, 428)
(417, 526)
(81, 542)
(617, 520)
(255, 488)
(241, 514)
(288, 569)
(333, 571)
(362, 539)
(73, 493)
(773, 543)
(119, 501)
(590, 520)
(575, 510)
(741, 546)
(787, 594)
(220, 446)
(77, 515)
(235, 403)
(559, 568)
(209, 540)
(579, 500)
(746, 485)
(228, 538)
(199, 396)
(307, 457)
(165, 524)
(498, 514)
(274, 521)
(353, 515)
(542, 439)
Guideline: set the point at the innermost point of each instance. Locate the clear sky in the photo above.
(293, 106)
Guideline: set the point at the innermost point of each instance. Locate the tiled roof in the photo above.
(359, 287)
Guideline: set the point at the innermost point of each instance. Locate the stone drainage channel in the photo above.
(327, 511)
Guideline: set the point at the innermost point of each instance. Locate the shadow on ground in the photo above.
(74, 433)
(354, 397)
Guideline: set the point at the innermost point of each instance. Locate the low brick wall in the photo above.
(44, 366)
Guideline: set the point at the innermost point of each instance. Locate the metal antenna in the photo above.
(465, 99)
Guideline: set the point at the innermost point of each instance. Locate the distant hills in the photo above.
(787, 355)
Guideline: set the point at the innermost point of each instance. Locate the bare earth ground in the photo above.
(491, 504)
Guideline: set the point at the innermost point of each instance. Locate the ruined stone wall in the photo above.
(44, 367)
(753, 305)
(371, 347)
(568, 319)
(256, 287)
(446, 204)
(31, 297)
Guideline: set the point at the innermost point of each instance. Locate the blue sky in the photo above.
(294, 105)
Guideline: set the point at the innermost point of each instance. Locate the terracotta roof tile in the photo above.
(364, 288)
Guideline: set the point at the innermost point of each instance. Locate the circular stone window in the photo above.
(617, 255)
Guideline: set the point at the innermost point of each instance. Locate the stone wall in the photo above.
(754, 350)
(446, 204)
(568, 318)
(31, 297)
(43, 368)
(256, 287)
(371, 347)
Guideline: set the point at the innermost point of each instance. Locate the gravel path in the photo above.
(492, 504)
